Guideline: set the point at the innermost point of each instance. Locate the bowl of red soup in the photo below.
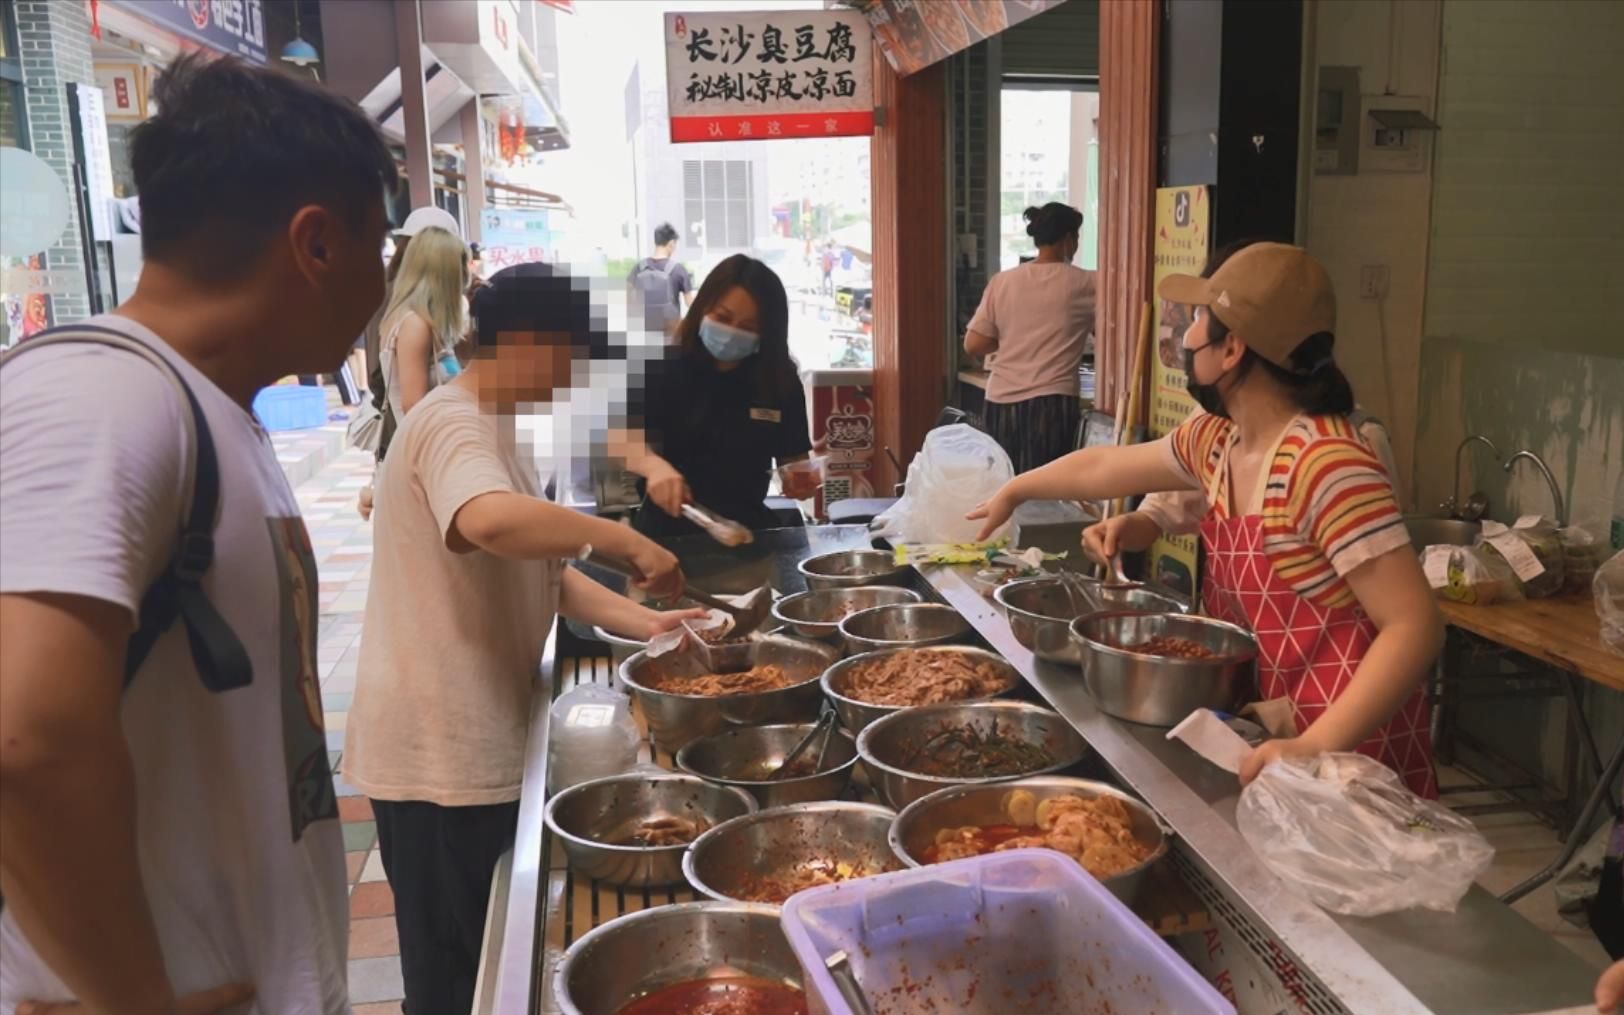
(1157, 668)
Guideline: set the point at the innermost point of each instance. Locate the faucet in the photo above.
(1550, 481)
(1477, 505)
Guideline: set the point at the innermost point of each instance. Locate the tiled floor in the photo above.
(343, 548)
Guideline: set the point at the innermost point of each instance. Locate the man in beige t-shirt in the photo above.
(467, 576)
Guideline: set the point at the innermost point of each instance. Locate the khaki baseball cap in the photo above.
(1271, 295)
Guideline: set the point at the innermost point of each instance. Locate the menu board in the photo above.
(913, 34)
(768, 75)
(1181, 247)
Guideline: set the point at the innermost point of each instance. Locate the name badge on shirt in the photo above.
(767, 415)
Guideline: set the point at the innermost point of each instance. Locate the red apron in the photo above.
(1307, 653)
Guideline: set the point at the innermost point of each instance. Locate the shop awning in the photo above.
(445, 95)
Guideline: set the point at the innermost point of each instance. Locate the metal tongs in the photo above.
(747, 614)
(839, 966)
(825, 726)
(724, 530)
(1079, 592)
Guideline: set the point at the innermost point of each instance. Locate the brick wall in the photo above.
(54, 43)
(970, 111)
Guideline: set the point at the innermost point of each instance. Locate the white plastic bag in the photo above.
(957, 469)
(1344, 830)
(1470, 574)
(1608, 587)
(591, 735)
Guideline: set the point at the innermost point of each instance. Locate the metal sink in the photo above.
(1429, 530)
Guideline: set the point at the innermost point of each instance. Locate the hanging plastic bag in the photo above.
(1469, 574)
(591, 735)
(958, 468)
(1608, 588)
(1345, 831)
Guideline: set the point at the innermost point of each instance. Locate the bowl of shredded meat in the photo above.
(872, 685)
(1116, 837)
(772, 679)
(772, 854)
(1157, 668)
(917, 751)
(631, 830)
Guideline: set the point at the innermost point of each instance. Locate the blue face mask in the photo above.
(727, 343)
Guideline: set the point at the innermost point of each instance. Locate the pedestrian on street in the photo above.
(171, 835)
(468, 574)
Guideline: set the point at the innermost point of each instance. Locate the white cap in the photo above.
(427, 218)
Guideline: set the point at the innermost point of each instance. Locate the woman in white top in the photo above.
(1036, 318)
(424, 319)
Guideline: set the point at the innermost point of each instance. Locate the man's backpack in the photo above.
(177, 594)
(652, 280)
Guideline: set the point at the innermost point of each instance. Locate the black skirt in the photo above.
(1036, 431)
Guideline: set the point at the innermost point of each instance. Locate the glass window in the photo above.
(1049, 152)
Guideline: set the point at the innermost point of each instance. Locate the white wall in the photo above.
(1379, 218)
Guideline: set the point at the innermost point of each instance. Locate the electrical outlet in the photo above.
(1373, 282)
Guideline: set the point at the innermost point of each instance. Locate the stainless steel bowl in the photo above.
(590, 818)
(818, 614)
(1160, 690)
(737, 757)
(887, 745)
(903, 626)
(677, 720)
(727, 861)
(1040, 612)
(916, 827)
(857, 714)
(635, 955)
(845, 569)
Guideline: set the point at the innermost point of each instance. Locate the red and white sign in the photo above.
(123, 96)
(768, 75)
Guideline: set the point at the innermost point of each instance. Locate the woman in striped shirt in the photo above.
(1305, 543)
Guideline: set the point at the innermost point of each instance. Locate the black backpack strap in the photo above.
(221, 659)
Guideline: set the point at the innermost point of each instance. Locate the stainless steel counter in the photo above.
(1484, 959)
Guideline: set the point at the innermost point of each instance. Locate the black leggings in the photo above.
(440, 862)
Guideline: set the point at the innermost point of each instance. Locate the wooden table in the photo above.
(1563, 632)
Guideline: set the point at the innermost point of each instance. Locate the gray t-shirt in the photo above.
(237, 826)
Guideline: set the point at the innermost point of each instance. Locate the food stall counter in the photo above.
(1483, 959)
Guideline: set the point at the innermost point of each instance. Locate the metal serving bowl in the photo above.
(727, 860)
(635, 955)
(1040, 612)
(902, 626)
(736, 757)
(589, 818)
(916, 827)
(677, 720)
(818, 614)
(845, 569)
(857, 714)
(1161, 690)
(887, 745)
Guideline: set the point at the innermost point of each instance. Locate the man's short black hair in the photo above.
(235, 150)
(538, 297)
(667, 233)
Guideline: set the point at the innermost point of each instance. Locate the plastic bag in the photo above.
(1468, 574)
(1582, 554)
(1532, 549)
(1608, 588)
(958, 468)
(591, 735)
(366, 428)
(1343, 830)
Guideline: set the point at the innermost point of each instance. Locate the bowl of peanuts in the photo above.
(1157, 668)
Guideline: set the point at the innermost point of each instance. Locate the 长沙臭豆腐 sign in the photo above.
(767, 75)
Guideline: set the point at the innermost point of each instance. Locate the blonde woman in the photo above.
(424, 319)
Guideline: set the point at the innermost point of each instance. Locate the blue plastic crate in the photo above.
(291, 407)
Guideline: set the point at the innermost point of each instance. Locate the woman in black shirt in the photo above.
(723, 407)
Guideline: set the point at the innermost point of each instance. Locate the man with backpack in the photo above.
(169, 836)
(662, 283)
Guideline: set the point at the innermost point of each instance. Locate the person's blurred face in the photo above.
(526, 367)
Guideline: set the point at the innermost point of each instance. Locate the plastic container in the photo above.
(1616, 529)
(591, 735)
(1025, 932)
(291, 407)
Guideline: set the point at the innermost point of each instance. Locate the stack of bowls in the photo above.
(818, 614)
(905, 625)
(845, 569)
(1040, 612)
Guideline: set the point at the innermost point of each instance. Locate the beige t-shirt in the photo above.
(452, 642)
(1041, 314)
